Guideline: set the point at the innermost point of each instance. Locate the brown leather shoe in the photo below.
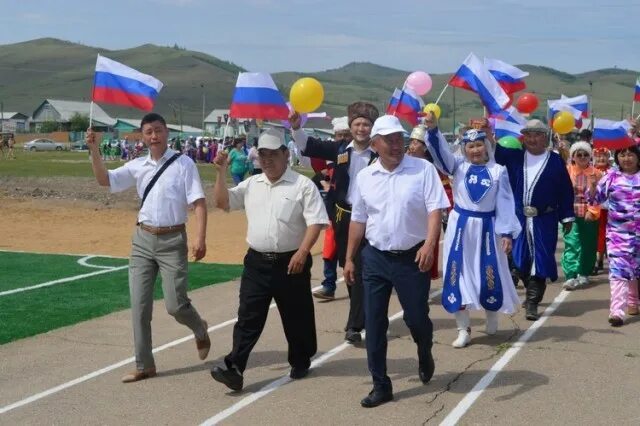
(138, 375)
(205, 344)
(633, 310)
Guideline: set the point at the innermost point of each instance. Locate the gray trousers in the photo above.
(168, 254)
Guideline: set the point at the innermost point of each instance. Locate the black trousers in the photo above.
(264, 279)
(355, 321)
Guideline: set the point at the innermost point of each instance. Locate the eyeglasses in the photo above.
(582, 155)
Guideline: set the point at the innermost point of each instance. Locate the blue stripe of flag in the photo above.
(257, 95)
(126, 84)
(474, 82)
(504, 77)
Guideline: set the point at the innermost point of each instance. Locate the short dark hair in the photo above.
(585, 134)
(152, 117)
(632, 149)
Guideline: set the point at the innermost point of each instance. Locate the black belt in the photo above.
(399, 253)
(272, 256)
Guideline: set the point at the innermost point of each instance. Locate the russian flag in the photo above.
(510, 114)
(557, 105)
(581, 103)
(611, 134)
(510, 78)
(636, 96)
(474, 76)
(116, 83)
(256, 96)
(405, 104)
(504, 128)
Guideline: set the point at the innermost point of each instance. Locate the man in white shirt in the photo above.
(287, 215)
(160, 239)
(397, 208)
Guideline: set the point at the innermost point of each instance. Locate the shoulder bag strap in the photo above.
(157, 176)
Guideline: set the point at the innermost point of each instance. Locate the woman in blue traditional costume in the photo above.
(481, 228)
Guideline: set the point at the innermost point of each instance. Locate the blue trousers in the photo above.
(382, 272)
(330, 274)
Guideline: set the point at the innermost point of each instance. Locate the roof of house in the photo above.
(9, 115)
(67, 109)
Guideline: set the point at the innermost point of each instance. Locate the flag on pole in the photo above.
(611, 134)
(510, 114)
(405, 104)
(557, 105)
(504, 128)
(636, 96)
(581, 103)
(116, 83)
(474, 76)
(256, 96)
(510, 78)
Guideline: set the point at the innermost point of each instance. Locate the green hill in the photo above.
(49, 68)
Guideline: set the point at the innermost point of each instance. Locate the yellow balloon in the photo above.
(563, 122)
(306, 95)
(434, 108)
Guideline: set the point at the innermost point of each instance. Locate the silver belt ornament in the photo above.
(530, 211)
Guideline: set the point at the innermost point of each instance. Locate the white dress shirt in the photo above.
(395, 205)
(359, 159)
(167, 203)
(278, 213)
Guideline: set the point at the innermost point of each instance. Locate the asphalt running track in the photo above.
(569, 367)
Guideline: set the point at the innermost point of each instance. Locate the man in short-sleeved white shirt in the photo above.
(397, 207)
(160, 240)
(287, 214)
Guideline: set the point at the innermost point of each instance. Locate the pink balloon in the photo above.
(420, 82)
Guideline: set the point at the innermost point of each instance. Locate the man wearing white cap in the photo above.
(397, 211)
(287, 215)
(544, 197)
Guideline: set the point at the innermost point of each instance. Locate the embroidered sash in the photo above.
(491, 296)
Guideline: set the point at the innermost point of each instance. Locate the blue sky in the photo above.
(312, 35)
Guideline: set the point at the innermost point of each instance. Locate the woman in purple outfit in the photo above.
(620, 187)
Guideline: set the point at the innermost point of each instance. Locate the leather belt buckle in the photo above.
(270, 257)
(530, 211)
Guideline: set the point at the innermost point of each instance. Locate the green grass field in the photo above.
(43, 309)
(76, 164)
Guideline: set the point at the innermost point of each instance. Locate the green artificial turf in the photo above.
(37, 311)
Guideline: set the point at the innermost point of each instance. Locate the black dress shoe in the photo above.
(426, 368)
(353, 336)
(377, 397)
(298, 372)
(229, 377)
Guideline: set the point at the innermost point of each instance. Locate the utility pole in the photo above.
(203, 106)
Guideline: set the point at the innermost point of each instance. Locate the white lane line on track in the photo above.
(61, 281)
(465, 404)
(84, 262)
(267, 389)
(115, 366)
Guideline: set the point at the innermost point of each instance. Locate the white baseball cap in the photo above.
(271, 139)
(386, 125)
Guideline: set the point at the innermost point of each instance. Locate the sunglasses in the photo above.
(582, 155)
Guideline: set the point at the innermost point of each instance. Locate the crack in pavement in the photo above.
(498, 349)
(84, 342)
